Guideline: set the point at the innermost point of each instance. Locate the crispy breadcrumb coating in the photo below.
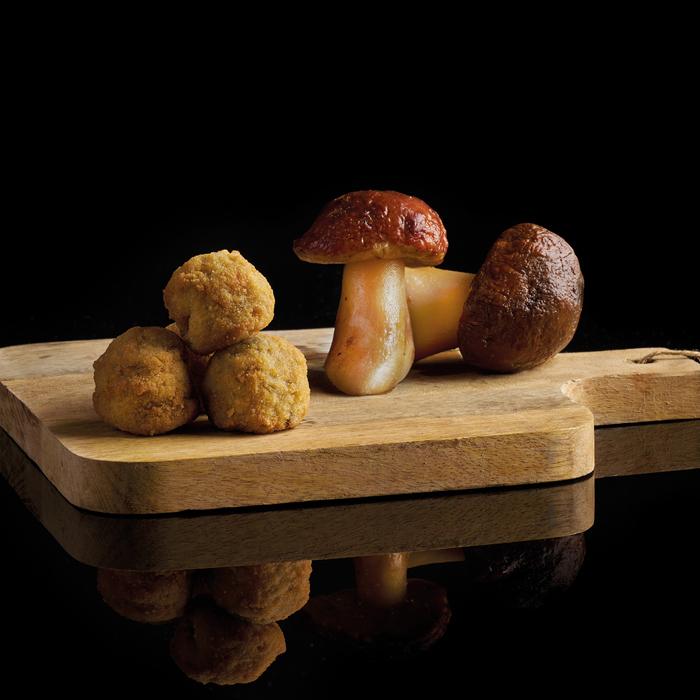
(211, 646)
(218, 299)
(262, 592)
(197, 363)
(145, 596)
(142, 383)
(259, 385)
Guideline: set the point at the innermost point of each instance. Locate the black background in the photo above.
(107, 212)
(103, 210)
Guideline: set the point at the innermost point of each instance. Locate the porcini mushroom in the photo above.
(529, 302)
(525, 302)
(374, 234)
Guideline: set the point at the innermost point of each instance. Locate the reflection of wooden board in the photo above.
(444, 428)
(318, 531)
(645, 448)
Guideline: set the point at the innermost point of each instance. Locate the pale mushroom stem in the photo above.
(372, 349)
(381, 579)
(435, 302)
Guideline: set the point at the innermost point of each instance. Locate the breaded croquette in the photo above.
(142, 383)
(197, 363)
(218, 299)
(259, 385)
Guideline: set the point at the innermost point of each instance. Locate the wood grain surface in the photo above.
(444, 428)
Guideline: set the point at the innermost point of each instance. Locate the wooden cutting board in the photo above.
(327, 530)
(444, 428)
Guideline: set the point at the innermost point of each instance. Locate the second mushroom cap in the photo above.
(525, 302)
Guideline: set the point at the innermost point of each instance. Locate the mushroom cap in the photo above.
(525, 302)
(374, 224)
(413, 625)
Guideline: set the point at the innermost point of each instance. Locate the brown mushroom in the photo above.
(525, 303)
(374, 234)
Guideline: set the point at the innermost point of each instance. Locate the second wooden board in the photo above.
(444, 428)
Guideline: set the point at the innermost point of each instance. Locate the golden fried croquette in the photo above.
(218, 299)
(259, 385)
(197, 363)
(211, 646)
(145, 596)
(262, 592)
(142, 383)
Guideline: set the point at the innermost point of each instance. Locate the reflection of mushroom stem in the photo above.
(435, 556)
(435, 302)
(381, 579)
(372, 347)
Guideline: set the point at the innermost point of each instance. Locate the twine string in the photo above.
(668, 354)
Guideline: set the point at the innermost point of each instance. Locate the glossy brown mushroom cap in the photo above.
(525, 303)
(374, 224)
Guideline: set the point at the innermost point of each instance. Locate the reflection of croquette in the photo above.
(218, 299)
(259, 385)
(211, 646)
(142, 383)
(262, 592)
(145, 596)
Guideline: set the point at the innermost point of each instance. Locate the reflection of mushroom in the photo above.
(521, 309)
(145, 596)
(381, 579)
(211, 646)
(525, 303)
(375, 234)
(263, 592)
(386, 610)
(523, 574)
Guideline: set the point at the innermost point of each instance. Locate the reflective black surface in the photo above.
(519, 613)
